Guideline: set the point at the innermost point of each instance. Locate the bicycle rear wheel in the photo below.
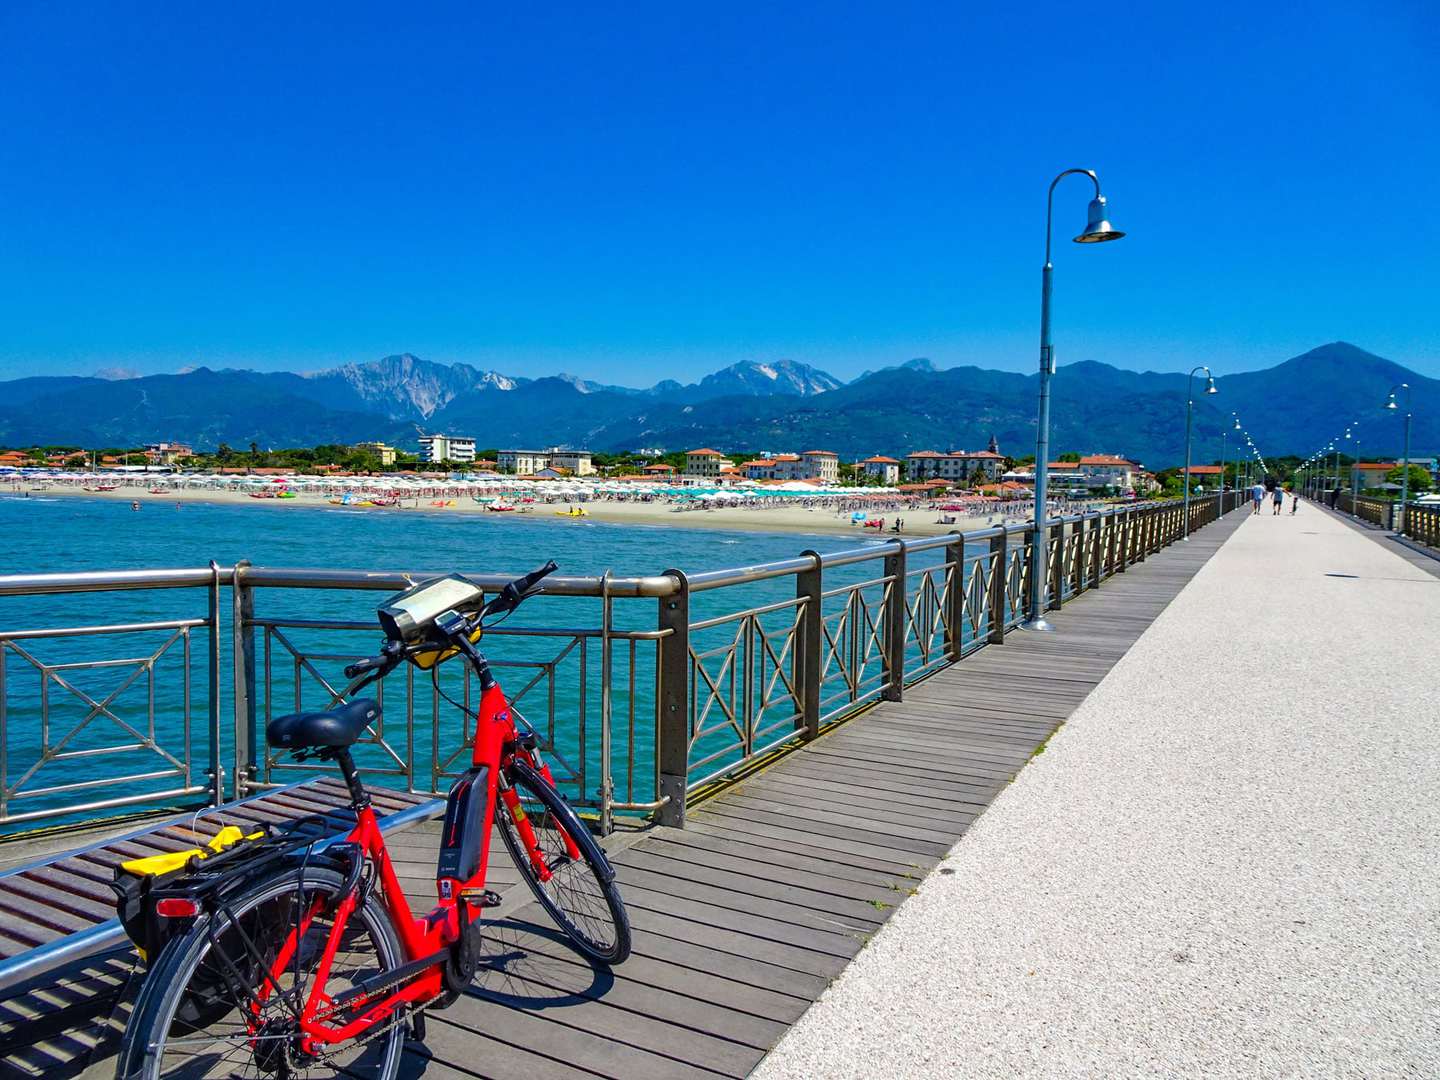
(580, 895)
(203, 1015)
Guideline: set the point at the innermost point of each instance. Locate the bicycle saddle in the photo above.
(340, 726)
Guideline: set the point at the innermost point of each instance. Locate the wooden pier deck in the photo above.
(742, 918)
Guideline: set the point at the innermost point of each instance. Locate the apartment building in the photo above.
(435, 448)
(705, 464)
(575, 462)
(822, 465)
(1108, 470)
(955, 466)
(522, 462)
(386, 454)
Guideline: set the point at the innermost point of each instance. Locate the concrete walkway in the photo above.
(1226, 864)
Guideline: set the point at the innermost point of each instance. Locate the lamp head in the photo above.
(1210, 387)
(1392, 404)
(1097, 228)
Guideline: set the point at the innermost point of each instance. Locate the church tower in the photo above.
(994, 446)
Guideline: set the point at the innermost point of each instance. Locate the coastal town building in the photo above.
(822, 465)
(167, 453)
(1205, 477)
(446, 448)
(705, 464)
(658, 471)
(1372, 474)
(385, 453)
(534, 462)
(1065, 478)
(522, 462)
(884, 469)
(956, 466)
(575, 462)
(1108, 470)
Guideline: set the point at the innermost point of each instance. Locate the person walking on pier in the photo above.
(1257, 495)
(1279, 498)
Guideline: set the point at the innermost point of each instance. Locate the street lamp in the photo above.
(1189, 409)
(1097, 230)
(1355, 480)
(1405, 459)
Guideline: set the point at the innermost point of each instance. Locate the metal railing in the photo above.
(1381, 512)
(1421, 523)
(73, 736)
(643, 689)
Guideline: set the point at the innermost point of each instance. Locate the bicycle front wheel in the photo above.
(215, 1005)
(579, 894)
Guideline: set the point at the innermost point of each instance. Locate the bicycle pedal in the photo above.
(482, 898)
(417, 1027)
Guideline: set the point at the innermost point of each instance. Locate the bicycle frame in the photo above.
(426, 942)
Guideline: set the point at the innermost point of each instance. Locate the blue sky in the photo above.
(630, 195)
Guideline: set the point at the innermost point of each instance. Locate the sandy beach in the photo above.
(917, 521)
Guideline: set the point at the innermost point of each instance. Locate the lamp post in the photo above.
(1189, 409)
(1405, 458)
(1355, 480)
(1338, 443)
(1097, 230)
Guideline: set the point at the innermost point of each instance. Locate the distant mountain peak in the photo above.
(754, 377)
(920, 363)
(116, 374)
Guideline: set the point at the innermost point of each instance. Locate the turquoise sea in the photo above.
(102, 717)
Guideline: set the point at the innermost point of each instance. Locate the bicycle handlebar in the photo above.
(516, 591)
(388, 658)
(509, 598)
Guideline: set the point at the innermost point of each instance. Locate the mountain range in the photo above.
(1292, 407)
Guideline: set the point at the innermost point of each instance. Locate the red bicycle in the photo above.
(284, 956)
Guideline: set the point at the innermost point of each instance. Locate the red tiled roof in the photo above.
(704, 450)
(880, 459)
(1106, 459)
(822, 453)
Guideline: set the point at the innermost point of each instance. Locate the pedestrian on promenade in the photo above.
(1257, 495)
(1279, 498)
(1294, 503)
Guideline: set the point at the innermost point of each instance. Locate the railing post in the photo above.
(242, 659)
(1102, 534)
(212, 673)
(895, 621)
(957, 588)
(607, 666)
(811, 634)
(1082, 553)
(1055, 539)
(673, 702)
(999, 578)
(1122, 540)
